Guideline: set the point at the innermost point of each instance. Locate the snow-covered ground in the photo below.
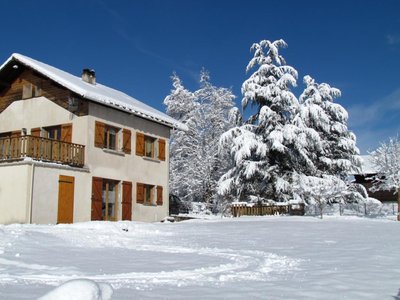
(252, 257)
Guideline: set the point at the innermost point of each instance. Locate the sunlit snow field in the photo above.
(247, 257)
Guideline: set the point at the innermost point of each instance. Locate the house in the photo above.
(73, 150)
(366, 178)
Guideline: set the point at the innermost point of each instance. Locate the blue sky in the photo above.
(135, 46)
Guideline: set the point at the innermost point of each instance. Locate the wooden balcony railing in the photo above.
(38, 148)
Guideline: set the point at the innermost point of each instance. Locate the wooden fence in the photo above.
(244, 209)
(38, 148)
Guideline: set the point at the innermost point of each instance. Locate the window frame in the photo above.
(107, 135)
(52, 130)
(153, 147)
(149, 194)
(106, 200)
(157, 151)
(149, 191)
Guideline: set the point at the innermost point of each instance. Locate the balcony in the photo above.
(43, 149)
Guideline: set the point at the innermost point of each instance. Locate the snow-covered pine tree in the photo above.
(272, 144)
(339, 154)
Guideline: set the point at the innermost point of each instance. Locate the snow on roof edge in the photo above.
(367, 165)
(98, 92)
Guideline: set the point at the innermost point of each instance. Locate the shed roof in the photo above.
(367, 165)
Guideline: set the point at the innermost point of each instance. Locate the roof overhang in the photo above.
(16, 63)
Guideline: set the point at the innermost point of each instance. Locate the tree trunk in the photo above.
(398, 203)
(321, 209)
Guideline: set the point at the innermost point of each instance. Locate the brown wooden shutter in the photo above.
(126, 140)
(159, 195)
(36, 131)
(97, 198)
(99, 134)
(139, 144)
(66, 133)
(126, 201)
(161, 149)
(140, 192)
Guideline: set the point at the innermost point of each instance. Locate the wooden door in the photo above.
(66, 186)
(97, 199)
(126, 200)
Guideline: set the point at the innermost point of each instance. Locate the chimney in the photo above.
(89, 76)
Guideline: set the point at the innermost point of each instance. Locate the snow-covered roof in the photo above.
(97, 92)
(367, 166)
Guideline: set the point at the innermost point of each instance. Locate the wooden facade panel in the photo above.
(42, 87)
(13, 93)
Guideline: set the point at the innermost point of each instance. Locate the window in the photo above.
(30, 90)
(149, 194)
(110, 137)
(61, 132)
(52, 132)
(150, 147)
(110, 200)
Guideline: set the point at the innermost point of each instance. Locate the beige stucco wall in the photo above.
(15, 190)
(22, 179)
(41, 112)
(130, 167)
(45, 193)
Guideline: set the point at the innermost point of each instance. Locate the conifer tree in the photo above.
(272, 144)
(338, 155)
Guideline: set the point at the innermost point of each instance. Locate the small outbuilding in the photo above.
(366, 178)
